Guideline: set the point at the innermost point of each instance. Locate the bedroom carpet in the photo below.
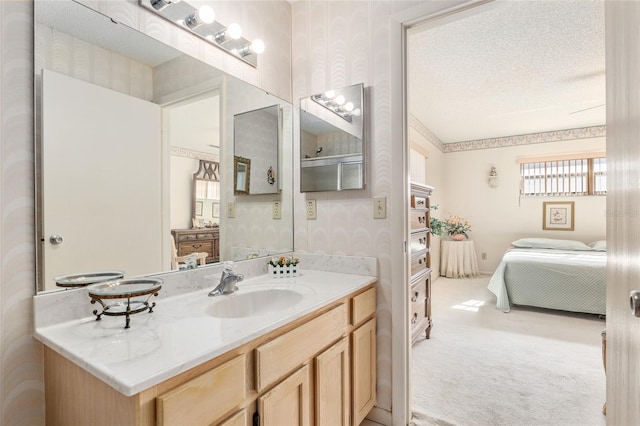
(528, 367)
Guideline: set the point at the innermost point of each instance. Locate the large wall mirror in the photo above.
(123, 125)
(256, 140)
(332, 140)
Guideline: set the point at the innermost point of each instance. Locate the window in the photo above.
(562, 177)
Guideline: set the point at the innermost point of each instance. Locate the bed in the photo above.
(553, 274)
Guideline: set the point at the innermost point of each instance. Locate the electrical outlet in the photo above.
(379, 207)
(276, 210)
(231, 209)
(311, 209)
(484, 256)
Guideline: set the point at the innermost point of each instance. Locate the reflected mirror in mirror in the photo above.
(242, 168)
(256, 139)
(332, 140)
(123, 123)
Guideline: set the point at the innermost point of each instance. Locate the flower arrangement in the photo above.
(283, 266)
(284, 261)
(456, 225)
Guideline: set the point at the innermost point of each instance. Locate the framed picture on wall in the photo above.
(215, 210)
(557, 215)
(199, 205)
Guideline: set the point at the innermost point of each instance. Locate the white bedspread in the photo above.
(554, 279)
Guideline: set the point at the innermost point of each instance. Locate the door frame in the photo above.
(402, 22)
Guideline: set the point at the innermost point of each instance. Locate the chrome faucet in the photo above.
(228, 281)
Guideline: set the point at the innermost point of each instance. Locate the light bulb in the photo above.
(330, 94)
(340, 99)
(348, 107)
(257, 46)
(207, 14)
(356, 112)
(204, 15)
(234, 31)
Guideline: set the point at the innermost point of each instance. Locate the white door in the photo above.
(102, 178)
(623, 210)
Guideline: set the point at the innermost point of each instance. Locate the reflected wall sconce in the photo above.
(337, 104)
(201, 22)
(493, 178)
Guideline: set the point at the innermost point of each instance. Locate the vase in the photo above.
(458, 237)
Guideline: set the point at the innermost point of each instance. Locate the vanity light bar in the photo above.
(201, 22)
(337, 104)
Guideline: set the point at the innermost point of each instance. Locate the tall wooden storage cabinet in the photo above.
(420, 255)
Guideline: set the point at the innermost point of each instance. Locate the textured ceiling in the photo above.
(512, 68)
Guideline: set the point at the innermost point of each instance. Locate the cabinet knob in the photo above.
(414, 319)
(414, 298)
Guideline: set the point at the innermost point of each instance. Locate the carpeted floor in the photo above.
(483, 367)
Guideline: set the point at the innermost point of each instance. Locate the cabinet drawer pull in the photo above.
(414, 319)
(414, 298)
(196, 246)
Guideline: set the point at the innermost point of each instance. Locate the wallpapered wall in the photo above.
(336, 44)
(21, 387)
(21, 378)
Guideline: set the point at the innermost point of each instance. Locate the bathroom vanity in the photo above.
(228, 360)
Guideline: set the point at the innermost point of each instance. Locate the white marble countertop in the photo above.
(179, 334)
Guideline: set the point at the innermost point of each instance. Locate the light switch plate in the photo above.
(276, 210)
(231, 209)
(379, 207)
(311, 209)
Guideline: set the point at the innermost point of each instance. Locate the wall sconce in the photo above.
(493, 178)
(201, 22)
(337, 104)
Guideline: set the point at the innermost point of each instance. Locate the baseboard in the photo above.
(380, 416)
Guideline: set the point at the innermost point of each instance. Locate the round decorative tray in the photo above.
(84, 279)
(125, 289)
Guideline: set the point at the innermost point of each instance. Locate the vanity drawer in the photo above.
(363, 306)
(218, 390)
(419, 263)
(419, 242)
(196, 247)
(419, 219)
(289, 351)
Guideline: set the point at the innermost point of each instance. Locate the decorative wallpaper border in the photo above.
(501, 142)
(188, 153)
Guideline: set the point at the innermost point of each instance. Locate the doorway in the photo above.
(446, 142)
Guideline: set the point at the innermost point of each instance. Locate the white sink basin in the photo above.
(254, 303)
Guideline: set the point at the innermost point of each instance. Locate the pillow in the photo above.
(600, 245)
(550, 243)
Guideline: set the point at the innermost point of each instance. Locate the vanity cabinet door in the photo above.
(289, 403)
(363, 345)
(333, 394)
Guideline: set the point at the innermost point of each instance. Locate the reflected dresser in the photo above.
(198, 240)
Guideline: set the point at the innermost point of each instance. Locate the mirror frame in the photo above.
(208, 171)
(241, 176)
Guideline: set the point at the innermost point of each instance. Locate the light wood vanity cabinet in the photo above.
(317, 370)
